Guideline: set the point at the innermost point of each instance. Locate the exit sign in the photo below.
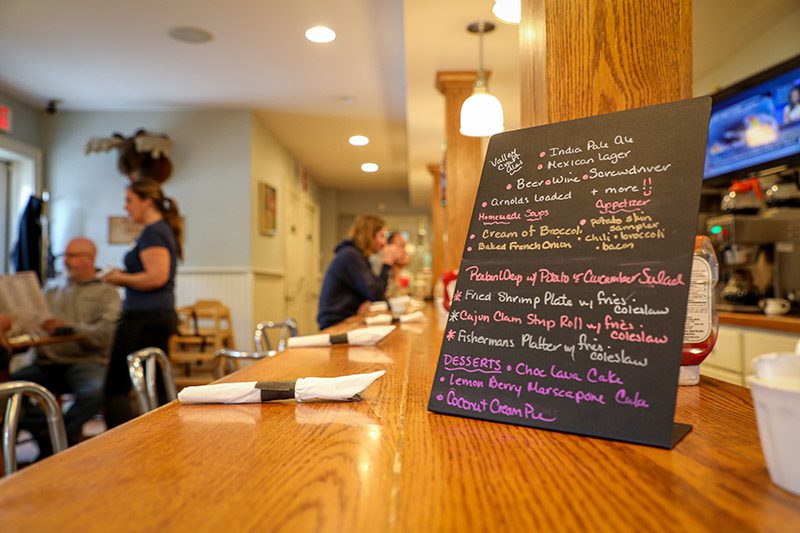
(5, 118)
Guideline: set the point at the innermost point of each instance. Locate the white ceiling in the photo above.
(111, 55)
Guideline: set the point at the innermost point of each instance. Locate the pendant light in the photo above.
(481, 113)
(508, 11)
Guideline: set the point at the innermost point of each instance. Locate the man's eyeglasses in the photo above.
(74, 254)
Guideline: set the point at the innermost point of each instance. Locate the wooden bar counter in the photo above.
(387, 464)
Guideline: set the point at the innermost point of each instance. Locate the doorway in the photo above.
(20, 177)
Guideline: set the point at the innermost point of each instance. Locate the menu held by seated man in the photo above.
(21, 297)
(569, 309)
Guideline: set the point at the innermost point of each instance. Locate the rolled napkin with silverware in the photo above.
(416, 316)
(376, 307)
(341, 389)
(368, 336)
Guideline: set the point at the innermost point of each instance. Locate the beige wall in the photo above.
(781, 42)
(210, 180)
(272, 164)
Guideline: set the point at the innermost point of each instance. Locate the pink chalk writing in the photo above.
(595, 376)
(617, 206)
(505, 274)
(643, 277)
(523, 369)
(469, 363)
(636, 400)
(557, 392)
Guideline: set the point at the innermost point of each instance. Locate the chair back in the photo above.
(14, 391)
(227, 360)
(142, 369)
(286, 329)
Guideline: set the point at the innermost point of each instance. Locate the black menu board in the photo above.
(569, 308)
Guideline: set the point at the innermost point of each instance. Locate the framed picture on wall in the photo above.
(267, 209)
(121, 230)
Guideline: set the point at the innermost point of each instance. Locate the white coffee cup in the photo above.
(775, 306)
(775, 387)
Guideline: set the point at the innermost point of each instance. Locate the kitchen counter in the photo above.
(786, 323)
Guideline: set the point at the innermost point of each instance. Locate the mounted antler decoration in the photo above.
(144, 155)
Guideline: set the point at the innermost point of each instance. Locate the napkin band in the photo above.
(340, 338)
(276, 390)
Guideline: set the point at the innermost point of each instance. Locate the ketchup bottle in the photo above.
(702, 321)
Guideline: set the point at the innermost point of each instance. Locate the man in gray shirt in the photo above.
(83, 305)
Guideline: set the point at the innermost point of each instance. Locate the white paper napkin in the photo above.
(342, 388)
(378, 319)
(375, 307)
(416, 316)
(244, 392)
(368, 336)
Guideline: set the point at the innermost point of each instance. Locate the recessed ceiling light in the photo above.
(188, 34)
(359, 140)
(369, 167)
(320, 34)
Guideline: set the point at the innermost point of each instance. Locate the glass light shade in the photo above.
(481, 114)
(508, 11)
(320, 34)
(359, 140)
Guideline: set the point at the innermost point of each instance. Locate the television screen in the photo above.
(755, 124)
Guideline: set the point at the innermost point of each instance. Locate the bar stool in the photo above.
(142, 368)
(227, 360)
(14, 391)
(286, 329)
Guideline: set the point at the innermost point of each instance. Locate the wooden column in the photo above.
(437, 223)
(588, 57)
(463, 164)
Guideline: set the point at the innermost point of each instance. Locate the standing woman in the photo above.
(148, 310)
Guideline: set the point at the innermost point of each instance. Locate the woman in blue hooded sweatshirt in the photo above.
(349, 285)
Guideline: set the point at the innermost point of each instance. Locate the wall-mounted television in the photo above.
(755, 124)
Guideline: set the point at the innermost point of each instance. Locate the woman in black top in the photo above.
(148, 310)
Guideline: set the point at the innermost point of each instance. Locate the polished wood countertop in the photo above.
(387, 464)
(785, 323)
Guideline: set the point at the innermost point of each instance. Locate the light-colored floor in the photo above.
(28, 450)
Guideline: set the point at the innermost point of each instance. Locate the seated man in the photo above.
(84, 305)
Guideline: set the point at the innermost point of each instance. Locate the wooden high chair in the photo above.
(204, 328)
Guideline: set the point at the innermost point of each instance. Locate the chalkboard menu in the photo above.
(570, 303)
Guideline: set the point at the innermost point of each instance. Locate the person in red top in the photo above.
(398, 277)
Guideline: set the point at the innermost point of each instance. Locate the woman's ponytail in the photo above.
(173, 219)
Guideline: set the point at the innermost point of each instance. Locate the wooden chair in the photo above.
(14, 391)
(204, 328)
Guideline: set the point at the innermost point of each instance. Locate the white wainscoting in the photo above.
(233, 286)
(269, 295)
